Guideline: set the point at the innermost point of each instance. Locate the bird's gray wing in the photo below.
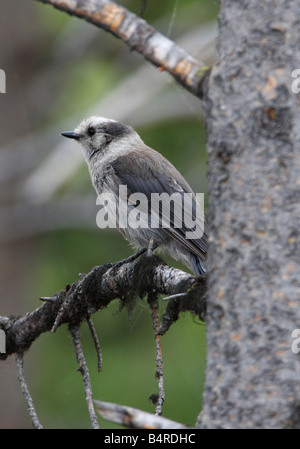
(148, 173)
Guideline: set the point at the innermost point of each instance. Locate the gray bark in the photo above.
(253, 126)
(148, 276)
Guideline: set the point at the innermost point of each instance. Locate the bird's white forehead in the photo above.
(91, 121)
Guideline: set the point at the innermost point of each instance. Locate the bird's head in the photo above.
(99, 135)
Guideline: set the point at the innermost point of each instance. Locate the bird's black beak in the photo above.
(72, 135)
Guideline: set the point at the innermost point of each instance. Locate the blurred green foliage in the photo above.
(127, 343)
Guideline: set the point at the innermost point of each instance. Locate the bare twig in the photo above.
(75, 303)
(25, 391)
(160, 397)
(98, 288)
(139, 36)
(134, 418)
(143, 6)
(96, 343)
(83, 368)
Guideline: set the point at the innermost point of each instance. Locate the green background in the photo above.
(43, 263)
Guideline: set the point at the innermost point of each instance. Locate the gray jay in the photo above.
(116, 156)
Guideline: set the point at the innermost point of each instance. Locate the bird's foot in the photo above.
(151, 247)
(129, 259)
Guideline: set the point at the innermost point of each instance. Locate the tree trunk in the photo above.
(253, 133)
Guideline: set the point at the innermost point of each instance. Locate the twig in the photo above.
(178, 295)
(83, 368)
(143, 7)
(96, 343)
(25, 391)
(160, 397)
(171, 24)
(134, 418)
(98, 288)
(139, 36)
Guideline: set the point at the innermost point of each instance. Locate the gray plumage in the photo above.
(116, 155)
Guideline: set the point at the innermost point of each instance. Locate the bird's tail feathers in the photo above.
(198, 265)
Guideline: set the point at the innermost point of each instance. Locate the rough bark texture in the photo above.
(253, 126)
(74, 304)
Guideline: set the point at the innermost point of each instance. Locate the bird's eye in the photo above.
(91, 131)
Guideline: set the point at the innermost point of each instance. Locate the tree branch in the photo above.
(159, 398)
(97, 289)
(141, 37)
(25, 390)
(134, 418)
(83, 368)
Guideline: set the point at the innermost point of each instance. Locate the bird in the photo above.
(116, 157)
